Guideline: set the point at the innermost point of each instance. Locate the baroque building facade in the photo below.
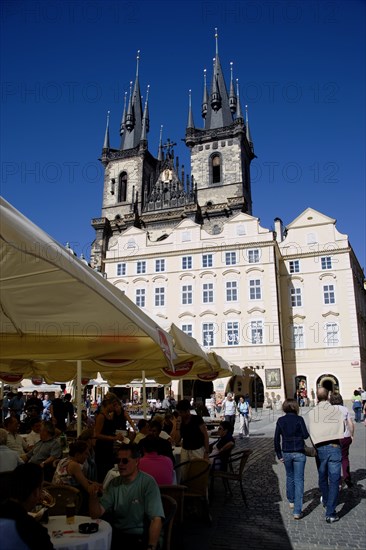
(286, 305)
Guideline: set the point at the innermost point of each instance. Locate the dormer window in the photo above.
(215, 168)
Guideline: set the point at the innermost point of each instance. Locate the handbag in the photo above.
(310, 450)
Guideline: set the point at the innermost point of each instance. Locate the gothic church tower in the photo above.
(155, 194)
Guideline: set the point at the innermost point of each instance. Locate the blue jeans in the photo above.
(329, 462)
(295, 466)
(357, 411)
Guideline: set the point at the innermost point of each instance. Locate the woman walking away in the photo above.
(349, 428)
(292, 430)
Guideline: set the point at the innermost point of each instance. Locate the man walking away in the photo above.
(326, 429)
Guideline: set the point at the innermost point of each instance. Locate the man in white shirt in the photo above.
(326, 428)
(229, 410)
(9, 459)
(15, 442)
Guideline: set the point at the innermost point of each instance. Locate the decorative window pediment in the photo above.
(159, 278)
(186, 314)
(190, 275)
(256, 309)
(250, 269)
(331, 275)
(230, 271)
(204, 273)
(328, 313)
(140, 279)
(208, 312)
(231, 310)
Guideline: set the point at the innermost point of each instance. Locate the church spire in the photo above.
(218, 111)
(190, 123)
(239, 114)
(232, 95)
(133, 123)
(160, 150)
(205, 95)
(123, 119)
(145, 118)
(249, 137)
(106, 145)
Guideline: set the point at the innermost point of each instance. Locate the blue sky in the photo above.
(301, 68)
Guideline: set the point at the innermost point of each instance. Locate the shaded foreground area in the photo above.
(267, 523)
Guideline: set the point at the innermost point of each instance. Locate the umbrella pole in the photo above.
(78, 397)
(144, 404)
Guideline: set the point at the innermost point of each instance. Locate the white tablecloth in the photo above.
(71, 539)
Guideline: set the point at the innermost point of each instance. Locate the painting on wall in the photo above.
(273, 378)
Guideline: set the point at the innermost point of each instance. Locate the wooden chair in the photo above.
(170, 509)
(236, 465)
(196, 479)
(63, 494)
(176, 492)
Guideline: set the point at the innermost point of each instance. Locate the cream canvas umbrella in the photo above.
(55, 310)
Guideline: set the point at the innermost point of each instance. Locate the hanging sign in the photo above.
(84, 381)
(37, 380)
(112, 362)
(11, 378)
(179, 370)
(208, 376)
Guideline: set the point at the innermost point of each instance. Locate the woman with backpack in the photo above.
(245, 411)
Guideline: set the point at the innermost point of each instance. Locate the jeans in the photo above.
(345, 444)
(357, 411)
(329, 462)
(230, 418)
(295, 466)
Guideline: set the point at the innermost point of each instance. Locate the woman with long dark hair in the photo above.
(289, 446)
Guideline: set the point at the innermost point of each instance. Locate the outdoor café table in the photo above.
(67, 537)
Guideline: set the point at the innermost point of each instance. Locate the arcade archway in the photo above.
(329, 382)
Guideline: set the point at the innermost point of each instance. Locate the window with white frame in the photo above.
(329, 294)
(326, 262)
(121, 269)
(159, 265)
(187, 262)
(160, 296)
(294, 266)
(253, 256)
(231, 291)
(331, 334)
(296, 297)
(187, 329)
(208, 334)
(207, 293)
(256, 332)
(187, 294)
(255, 290)
(230, 258)
(207, 260)
(141, 267)
(298, 336)
(232, 333)
(140, 297)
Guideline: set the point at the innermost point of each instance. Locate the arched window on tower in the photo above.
(122, 187)
(215, 168)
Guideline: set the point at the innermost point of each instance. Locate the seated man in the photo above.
(221, 449)
(34, 436)
(154, 463)
(129, 501)
(9, 459)
(46, 451)
(15, 441)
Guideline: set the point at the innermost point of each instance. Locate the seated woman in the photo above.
(152, 462)
(69, 471)
(221, 449)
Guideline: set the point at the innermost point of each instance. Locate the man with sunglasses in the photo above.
(130, 500)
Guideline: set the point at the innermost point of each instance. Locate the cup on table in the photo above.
(70, 512)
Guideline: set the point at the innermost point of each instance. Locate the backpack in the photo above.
(244, 407)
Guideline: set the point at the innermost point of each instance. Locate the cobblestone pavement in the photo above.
(267, 523)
